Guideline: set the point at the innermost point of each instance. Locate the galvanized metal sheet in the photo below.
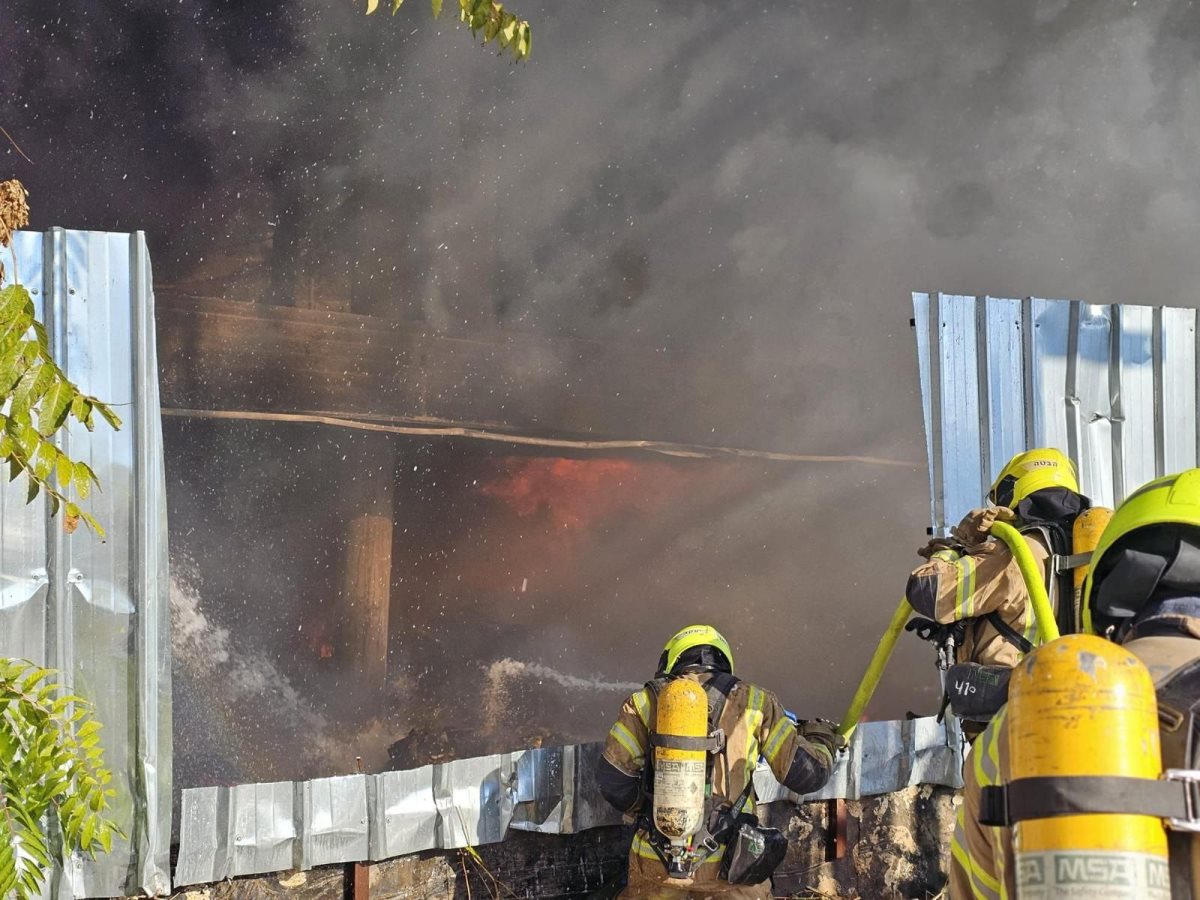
(474, 799)
(539, 800)
(204, 852)
(1115, 387)
(589, 809)
(471, 802)
(263, 829)
(98, 610)
(334, 822)
(403, 814)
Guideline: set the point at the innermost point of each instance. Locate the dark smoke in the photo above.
(764, 182)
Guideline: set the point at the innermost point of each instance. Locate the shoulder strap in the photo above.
(1009, 633)
(1058, 538)
(1060, 585)
(718, 688)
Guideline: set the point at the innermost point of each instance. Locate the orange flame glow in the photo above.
(574, 493)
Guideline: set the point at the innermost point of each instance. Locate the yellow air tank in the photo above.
(1081, 705)
(1085, 535)
(679, 774)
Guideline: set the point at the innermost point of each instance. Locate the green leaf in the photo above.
(109, 416)
(34, 487)
(43, 339)
(372, 5)
(43, 464)
(22, 393)
(55, 408)
(83, 480)
(13, 299)
(46, 376)
(437, 7)
(89, 831)
(94, 525)
(396, 4)
(64, 470)
(81, 407)
(12, 367)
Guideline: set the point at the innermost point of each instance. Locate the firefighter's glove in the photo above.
(823, 732)
(940, 546)
(929, 630)
(976, 526)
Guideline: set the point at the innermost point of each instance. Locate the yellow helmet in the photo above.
(693, 636)
(1032, 471)
(1158, 557)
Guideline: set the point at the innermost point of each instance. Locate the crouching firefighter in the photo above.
(680, 762)
(1110, 794)
(977, 608)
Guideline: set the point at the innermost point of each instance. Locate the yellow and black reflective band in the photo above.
(628, 740)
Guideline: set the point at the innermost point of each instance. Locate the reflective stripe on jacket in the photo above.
(952, 587)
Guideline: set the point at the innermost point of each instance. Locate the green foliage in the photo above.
(52, 775)
(486, 18)
(36, 400)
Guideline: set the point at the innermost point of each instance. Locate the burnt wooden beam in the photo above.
(232, 356)
(366, 566)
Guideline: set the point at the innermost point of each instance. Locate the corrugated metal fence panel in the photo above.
(333, 821)
(1177, 334)
(1115, 387)
(263, 818)
(476, 801)
(402, 811)
(96, 609)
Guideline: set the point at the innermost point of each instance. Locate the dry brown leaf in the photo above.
(70, 523)
(14, 212)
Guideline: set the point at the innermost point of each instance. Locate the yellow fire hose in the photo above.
(870, 680)
(1034, 580)
(1034, 584)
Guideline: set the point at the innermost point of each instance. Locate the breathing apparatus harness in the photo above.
(974, 692)
(683, 862)
(749, 852)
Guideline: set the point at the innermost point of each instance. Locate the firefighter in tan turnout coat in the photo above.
(1143, 593)
(750, 723)
(970, 589)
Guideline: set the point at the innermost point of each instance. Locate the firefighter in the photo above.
(1143, 593)
(971, 591)
(744, 723)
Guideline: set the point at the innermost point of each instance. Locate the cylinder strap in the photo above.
(1070, 563)
(1048, 797)
(714, 743)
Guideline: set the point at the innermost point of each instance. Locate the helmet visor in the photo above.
(1003, 492)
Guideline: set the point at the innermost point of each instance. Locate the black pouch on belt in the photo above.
(753, 853)
(976, 692)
